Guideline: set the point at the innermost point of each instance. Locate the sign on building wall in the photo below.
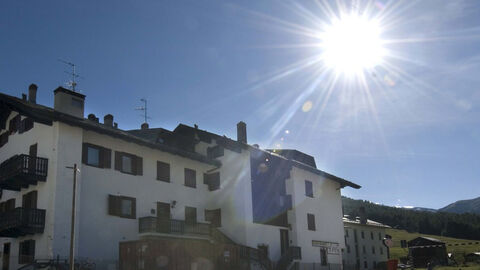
(332, 248)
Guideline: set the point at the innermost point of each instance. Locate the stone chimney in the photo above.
(32, 93)
(363, 215)
(108, 120)
(144, 126)
(242, 132)
(69, 102)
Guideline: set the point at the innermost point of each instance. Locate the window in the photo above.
(190, 215)
(14, 124)
(25, 125)
(355, 235)
(381, 250)
(311, 222)
(26, 252)
(308, 188)
(163, 171)
(10, 205)
(365, 265)
(214, 216)
(348, 248)
(364, 249)
(190, 178)
(122, 206)
(29, 200)
(374, 265)
(212, 180)
(380, 236)
(356, 250)
(128, 163)
(346, 232)
(97, 156)
(3, 138)
(363, 235)
(373, 249)
(371, 235)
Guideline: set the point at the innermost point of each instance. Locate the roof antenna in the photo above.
(72, 84)
(144, 109)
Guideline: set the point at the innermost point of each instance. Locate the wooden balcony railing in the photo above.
(21, 221)
(172, 226)
(20, 171)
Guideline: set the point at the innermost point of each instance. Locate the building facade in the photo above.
(364, 245)
(152, 183)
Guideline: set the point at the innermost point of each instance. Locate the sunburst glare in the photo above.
(352, 44)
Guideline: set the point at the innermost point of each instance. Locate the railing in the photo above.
(292, 253)
(172, 226)
(21, 221)
(22, 170)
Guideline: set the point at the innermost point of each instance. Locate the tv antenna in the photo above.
(144, 109)
(74, 75)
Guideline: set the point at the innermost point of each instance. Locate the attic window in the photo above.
(77, 103)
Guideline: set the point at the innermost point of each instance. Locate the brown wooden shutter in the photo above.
(10, 204)
(118, 161)
(84, 153)
(20, 252)
(311, 222)
(2, 207)
(106, 160)
(31, 251)
(138, 165)
(113, 205)
(33, 199)
(134, 208)
(28, 124)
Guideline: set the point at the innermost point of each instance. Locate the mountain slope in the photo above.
(463, 206)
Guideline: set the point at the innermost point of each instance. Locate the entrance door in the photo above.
(284, 242)
(323, 256)
(6, 256)
(163, 217)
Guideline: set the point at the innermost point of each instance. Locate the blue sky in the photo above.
(411, 138)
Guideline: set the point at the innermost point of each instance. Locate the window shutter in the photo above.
(118, 161)
(3, 139)
(25, 202)
(138, 165)
(113, 205)
(28, 124)
(21, 126)
(163, 171)
(33, 199)
(134, 208)
(20, 252)
(106, 158)
(10, 205)
(84, 153)
(2, 207)
(31, 251)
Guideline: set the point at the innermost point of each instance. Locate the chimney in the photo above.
(144, 126)
(363, 215)
(242, 132)
(24, 97)
(69, 102)
(108, 120)
(32, 93)
(92, 117)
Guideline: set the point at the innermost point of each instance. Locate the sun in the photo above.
(351, 44)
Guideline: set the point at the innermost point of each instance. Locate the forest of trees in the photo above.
(465, 226)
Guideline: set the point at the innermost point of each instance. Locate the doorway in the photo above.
(6, 256)
(323, 256)
(163, 217)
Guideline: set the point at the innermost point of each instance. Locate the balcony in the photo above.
(21, 221)
(172, 227)
(20, 171)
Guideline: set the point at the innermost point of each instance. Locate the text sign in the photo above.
(332, 248)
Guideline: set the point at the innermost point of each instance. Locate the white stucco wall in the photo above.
(326, 205)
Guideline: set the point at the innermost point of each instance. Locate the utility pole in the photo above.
(72, 230)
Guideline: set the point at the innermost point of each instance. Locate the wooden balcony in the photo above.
(21, 221)
(172, 227)
(20, 171)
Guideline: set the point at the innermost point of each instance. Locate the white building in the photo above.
(153, 183)
(364, 247)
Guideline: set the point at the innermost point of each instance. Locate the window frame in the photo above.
(104, 156)
(311, 222)
(165, 176)
(115, 206)
(309, 184)
(188, 219)
(136, 163)
(190, 182)
(26, 251)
